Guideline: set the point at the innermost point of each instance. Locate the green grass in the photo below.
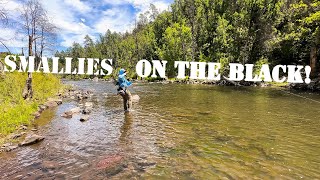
(14, 110)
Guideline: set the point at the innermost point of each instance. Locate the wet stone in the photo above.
(51, 104)
(42, 107)
(88, 104)
(109, 161)
(69, 114)
(8, 147)
(86, 111)
(15, 136)
(31, 139)
(84, 118)
(23, 127)
(58, 101)
(36, 114)
(79, 97)
(135, 98)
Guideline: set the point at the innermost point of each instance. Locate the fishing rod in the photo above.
(300, 96)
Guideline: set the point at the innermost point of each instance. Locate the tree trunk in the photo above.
(1, 68)
(313, 61)
(28, 92)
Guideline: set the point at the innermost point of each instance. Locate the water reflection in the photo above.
(126, 129)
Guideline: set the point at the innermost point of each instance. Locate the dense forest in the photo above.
(225, 31)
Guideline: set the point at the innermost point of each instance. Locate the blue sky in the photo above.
(76, 18)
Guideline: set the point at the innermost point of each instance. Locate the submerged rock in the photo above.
(69, 114)
(112, 165)
(109, 161)
(31, 139)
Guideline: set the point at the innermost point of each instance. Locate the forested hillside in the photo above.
(225, 31)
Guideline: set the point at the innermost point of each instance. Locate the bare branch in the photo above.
(5, 46)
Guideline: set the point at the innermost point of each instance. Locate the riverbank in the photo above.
(314, 86)
(16, 113)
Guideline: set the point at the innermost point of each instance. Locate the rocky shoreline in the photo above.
(27, 134)
(314, 86)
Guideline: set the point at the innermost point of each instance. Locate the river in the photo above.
(177, 131)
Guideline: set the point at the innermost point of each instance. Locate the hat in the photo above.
(122, 71)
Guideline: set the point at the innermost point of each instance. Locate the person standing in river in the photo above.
(123, 89)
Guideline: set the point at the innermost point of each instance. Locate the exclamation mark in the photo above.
(308, 71)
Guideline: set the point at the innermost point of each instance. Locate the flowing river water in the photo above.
(177, 131)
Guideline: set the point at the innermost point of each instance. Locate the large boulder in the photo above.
(135, 98)
(31, 139)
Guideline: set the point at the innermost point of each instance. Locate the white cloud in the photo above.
(64, 19)
(78, 5)
(115, 19)
(141, 5)
(67, 21)
(12, 39)
(12, 8)
(125, 22)
(77, 18)
(69, 39)
(161, 5)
